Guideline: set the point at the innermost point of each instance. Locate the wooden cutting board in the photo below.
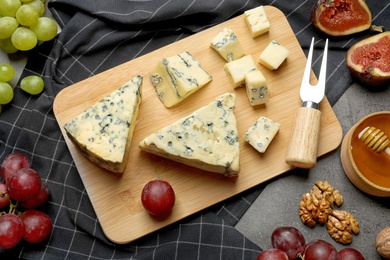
(116, 199)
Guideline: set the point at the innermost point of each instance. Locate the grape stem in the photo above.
(12, 207)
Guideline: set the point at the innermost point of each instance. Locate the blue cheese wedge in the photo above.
(273, 55)
(104, 131)
(256, 88)
(261, 133)
(227, 45)
(177, 77)
(206, 139)
(236, 70)
(257, 21)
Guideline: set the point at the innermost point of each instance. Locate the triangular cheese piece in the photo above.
(104, 131)
(206, 139)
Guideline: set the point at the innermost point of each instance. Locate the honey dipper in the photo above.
(375, 139)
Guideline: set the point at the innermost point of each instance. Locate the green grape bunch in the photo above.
(23, 25)
(30, 84)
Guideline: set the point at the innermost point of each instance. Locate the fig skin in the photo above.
(341, 17)
(369, 59)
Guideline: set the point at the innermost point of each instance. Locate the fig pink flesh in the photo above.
(374, 55)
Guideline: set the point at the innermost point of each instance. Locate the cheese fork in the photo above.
(303, 144)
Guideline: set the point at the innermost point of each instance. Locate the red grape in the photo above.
(290, 240)
(37, 200)
(4, 197)
(350, 254)
(320, 250)
(37, 225)
(11, 230)
(158, 197)
(24, 184)
(12, 163)
(272, 253)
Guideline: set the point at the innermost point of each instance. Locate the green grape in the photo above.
(7, 72)
(32, 84)
(9, 7)
(25, 1)
(45, 29)
(24, 39)
(38, 5)
(7, 46)
(6, 93)
(7, 26)
(27, 15)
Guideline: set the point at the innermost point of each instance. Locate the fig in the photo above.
(341, 17)
(369, 59)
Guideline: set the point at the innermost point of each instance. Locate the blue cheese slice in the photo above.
(261, 133)
(257, 21)
(206, 139)
(104, 131)
(273, 55)
(177, 77)
(256, 88)
(236, 70)
(227, 45)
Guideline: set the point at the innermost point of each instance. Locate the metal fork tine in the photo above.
(306, 73)
(322, 76)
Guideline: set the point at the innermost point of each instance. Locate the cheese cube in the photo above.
(236, 70)
(226, 44)
(257, 21)
(273, 55)
(261, 133)
(256, 88)
(177, 77)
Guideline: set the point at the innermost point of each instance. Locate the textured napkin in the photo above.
(96, 36)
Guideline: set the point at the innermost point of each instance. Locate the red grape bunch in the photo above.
(21, 194)
(289, 243)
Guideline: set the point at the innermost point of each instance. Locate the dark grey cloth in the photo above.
(98, 35)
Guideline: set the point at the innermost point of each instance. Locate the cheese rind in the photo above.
(257, 21)
(175, 78)
(261, 133)
(256, 88)
(227, 45)
(273, 55)
(103, 132)
(206, 139)
(236, 70)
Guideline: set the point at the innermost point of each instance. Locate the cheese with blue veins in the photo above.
(257, 21)
(273, 55)
(236, 70)
(103, 132)
(227, 45)
(177, 77)
(206, 139)
(261, 133)
(256, 88)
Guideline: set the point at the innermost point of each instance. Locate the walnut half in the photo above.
(341, 225)
(317, 205)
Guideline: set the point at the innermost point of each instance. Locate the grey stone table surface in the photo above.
(278, 204)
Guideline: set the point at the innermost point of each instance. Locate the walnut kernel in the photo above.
(317, 204)
(341, 225)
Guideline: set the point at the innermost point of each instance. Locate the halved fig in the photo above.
(369, 59)
(341, 17)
